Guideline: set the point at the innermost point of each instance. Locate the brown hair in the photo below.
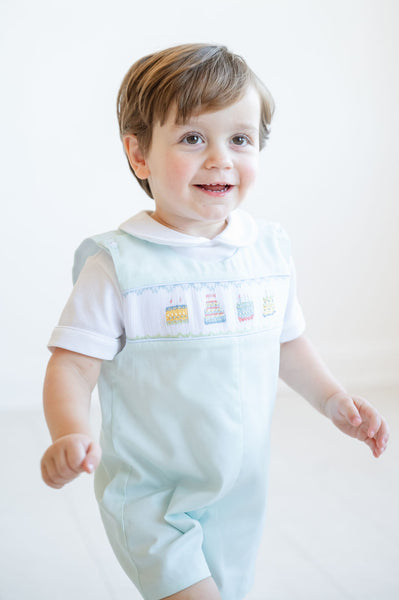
(195, 78)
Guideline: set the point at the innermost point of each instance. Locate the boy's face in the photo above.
(200, 171)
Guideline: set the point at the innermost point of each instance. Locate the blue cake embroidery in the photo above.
(245, 309)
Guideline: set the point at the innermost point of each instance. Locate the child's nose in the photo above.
(218, 157)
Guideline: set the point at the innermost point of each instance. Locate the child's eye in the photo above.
(240, 140)
(193, 139)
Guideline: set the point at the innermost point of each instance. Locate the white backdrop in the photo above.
(329, 173)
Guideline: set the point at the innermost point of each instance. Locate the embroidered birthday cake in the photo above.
(269, 307)
(177, 313)
(245, 309)
(214, 313)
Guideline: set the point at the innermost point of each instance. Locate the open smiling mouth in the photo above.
(218, 188)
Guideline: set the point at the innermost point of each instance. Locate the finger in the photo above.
(382, 435)
(373, 447)
(58, 467)
(50, 473)
(65, 471)
(74, 456)
(376, 450)
(370, 416)
(353, 415)
(93, 458)
(45, 474)
(349, 412)
(374, 420)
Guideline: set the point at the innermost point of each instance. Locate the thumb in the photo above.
(352, 414)
(93, 457)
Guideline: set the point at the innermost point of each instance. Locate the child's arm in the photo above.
(304, 371)
(69, 382)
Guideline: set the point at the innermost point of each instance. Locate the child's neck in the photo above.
(208, 230)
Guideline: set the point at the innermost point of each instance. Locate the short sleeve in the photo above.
(294, 321)
(92, 320)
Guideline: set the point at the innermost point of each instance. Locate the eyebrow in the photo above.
(248, 127)
(239, 127)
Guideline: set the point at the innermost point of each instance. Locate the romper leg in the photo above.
(203, 590)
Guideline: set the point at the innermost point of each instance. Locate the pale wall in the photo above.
(329, 173)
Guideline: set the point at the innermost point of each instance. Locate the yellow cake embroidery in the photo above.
(177, 313)
(269, 307)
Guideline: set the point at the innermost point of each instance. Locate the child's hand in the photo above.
(69, 456)
(359, 419)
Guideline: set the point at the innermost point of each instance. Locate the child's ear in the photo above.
(135, 156)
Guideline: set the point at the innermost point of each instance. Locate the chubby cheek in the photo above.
(179, 171)
(166, 178)
(249, 172)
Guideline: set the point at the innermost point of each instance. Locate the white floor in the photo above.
(332, 530)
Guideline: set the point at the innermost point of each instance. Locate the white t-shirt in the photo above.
(92, 320)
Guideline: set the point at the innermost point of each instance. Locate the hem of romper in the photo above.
(292, 334)
(163, 591)
(84, 342)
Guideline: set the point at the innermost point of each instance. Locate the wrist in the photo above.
(65, 432)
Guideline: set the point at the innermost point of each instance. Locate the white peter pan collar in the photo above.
(241, 230)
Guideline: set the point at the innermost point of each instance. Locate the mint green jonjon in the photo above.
(186, 408)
